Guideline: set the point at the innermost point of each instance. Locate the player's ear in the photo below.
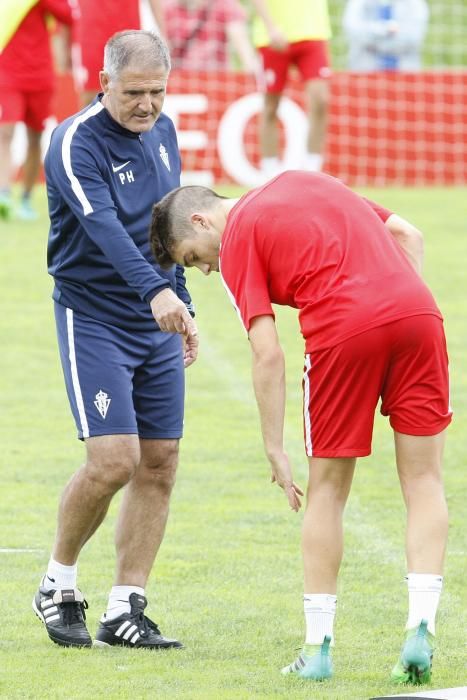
(199, 221)
(104, 81)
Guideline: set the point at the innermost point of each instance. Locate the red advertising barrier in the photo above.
(384, 128)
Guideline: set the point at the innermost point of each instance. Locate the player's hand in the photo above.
(170, 313)
(281, 474)
(190, 345)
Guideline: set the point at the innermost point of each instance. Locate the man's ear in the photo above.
(104, 81)
(199, 220)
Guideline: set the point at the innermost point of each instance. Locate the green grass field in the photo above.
(228, 577)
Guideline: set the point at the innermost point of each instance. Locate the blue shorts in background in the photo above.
(119, 381)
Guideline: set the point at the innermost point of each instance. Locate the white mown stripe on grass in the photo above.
(14, 550)
(237, 388)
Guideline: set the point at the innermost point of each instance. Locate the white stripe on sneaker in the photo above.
(52, 618)
(134, 638)
(130, 632)
(122, 628)
(50, 611)
(46, 603)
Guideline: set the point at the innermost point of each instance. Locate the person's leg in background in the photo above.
(311, 58)
(271, 83)
(31, 169)
(317, 92)
(38, 108)
(6, 137)
(11, 109)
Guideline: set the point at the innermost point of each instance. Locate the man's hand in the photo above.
(172, 316)
(281, 474)
(170, 313)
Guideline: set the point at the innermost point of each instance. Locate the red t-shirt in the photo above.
(198, 37)
(97, 23)
(26, 61)
(306, 240)
(101, 18)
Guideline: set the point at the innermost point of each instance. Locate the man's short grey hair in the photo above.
(137, 47)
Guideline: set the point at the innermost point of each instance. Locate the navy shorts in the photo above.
(120, 381)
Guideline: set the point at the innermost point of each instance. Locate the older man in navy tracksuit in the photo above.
(124, 377)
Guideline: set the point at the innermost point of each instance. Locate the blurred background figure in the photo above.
(99, 20)
(26, 89)
(293, 32)
(200, 34)
(385, 34)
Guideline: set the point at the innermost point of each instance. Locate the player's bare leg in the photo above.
(144, 511)
(317, 92)
(111, 462)
(269, 135)
(419, 464)
(322, 532)
(322, 547)
(139, 533)
(6, 136)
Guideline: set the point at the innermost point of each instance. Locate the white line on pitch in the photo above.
(14, 550)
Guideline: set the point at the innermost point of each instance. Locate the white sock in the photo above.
(313, 162)
(320, 609)
(59, 576)
(119, 600)
(424, 593)
(271, 166)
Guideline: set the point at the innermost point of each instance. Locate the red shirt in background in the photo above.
(307, 241)
(198, 37)
(99, 20)
(26, 61)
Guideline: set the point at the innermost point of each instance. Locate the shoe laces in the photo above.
(145, 625)
(74, 613)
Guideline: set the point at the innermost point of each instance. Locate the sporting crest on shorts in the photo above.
(164, 156)
(102, 402)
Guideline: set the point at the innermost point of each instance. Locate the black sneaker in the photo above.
(133, 629)
(62, 613)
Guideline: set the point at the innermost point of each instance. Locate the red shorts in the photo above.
(310, 58)
(29, 107)
(404, 363)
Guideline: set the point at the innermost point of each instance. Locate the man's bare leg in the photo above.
(110, 463)
(144, 512)
(322, 532)
(419, 464)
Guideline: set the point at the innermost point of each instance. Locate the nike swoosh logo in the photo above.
(119, 167)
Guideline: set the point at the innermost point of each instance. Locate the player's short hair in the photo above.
(171, 219)
(134, 46)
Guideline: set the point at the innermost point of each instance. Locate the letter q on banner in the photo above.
(231, 144)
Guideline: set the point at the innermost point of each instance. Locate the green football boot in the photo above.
(316, 666)
(414, 665)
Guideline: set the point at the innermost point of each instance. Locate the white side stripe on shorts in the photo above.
(74, 374)
(306, 409)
